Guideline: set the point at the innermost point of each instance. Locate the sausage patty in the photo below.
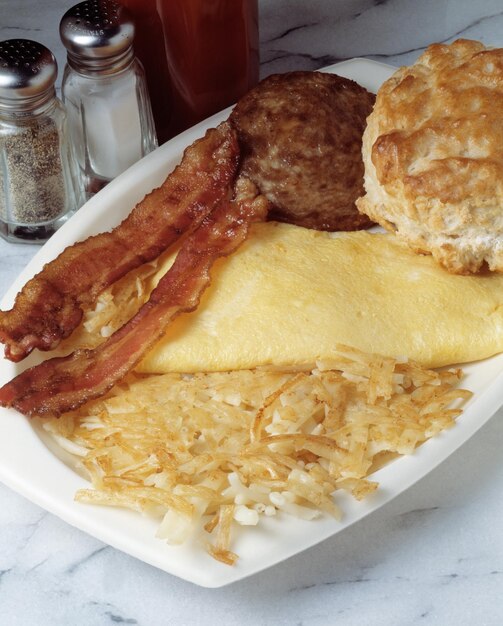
(301, 136)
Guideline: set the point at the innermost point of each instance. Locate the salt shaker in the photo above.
(39, 186)
(105, 92)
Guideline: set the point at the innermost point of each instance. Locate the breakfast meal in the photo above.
(301, 139)
(213, 366)
(433, 153)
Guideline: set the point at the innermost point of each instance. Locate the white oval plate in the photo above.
(30, 465)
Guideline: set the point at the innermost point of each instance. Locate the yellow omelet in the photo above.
(289, 295)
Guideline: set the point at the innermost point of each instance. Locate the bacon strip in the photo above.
(50, 306)
(62, 384)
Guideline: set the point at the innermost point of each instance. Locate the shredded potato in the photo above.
(113, 308)
(208, 451)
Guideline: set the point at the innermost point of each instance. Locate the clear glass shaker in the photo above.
(39, 185)
(105, 92)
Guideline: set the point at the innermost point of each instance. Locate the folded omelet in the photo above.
(289, 295)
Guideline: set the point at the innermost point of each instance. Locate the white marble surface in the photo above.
(432, 556)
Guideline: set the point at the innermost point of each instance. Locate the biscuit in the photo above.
(433, 155)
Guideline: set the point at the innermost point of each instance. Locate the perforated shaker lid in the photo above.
(97, 30)
(27, 70)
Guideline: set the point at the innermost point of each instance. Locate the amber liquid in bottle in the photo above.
(199, 56)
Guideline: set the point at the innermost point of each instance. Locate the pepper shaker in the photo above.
(105, 92)
(39, 186)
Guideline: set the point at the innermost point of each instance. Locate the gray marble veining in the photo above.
(433, 556)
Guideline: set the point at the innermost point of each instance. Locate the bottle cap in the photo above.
(28, 71)
(97, 34)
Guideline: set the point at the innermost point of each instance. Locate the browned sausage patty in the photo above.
(301, 136)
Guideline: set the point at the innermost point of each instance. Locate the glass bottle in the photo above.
(105, 92)
(199, 56)
(39, 186)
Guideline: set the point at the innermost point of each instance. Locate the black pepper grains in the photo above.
(34, 174)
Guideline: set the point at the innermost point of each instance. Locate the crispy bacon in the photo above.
(50, 306)
(62, 384)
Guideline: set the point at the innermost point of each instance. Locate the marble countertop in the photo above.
(434, 555)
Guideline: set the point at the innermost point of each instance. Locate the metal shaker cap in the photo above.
(96, 31)
(28, 70)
